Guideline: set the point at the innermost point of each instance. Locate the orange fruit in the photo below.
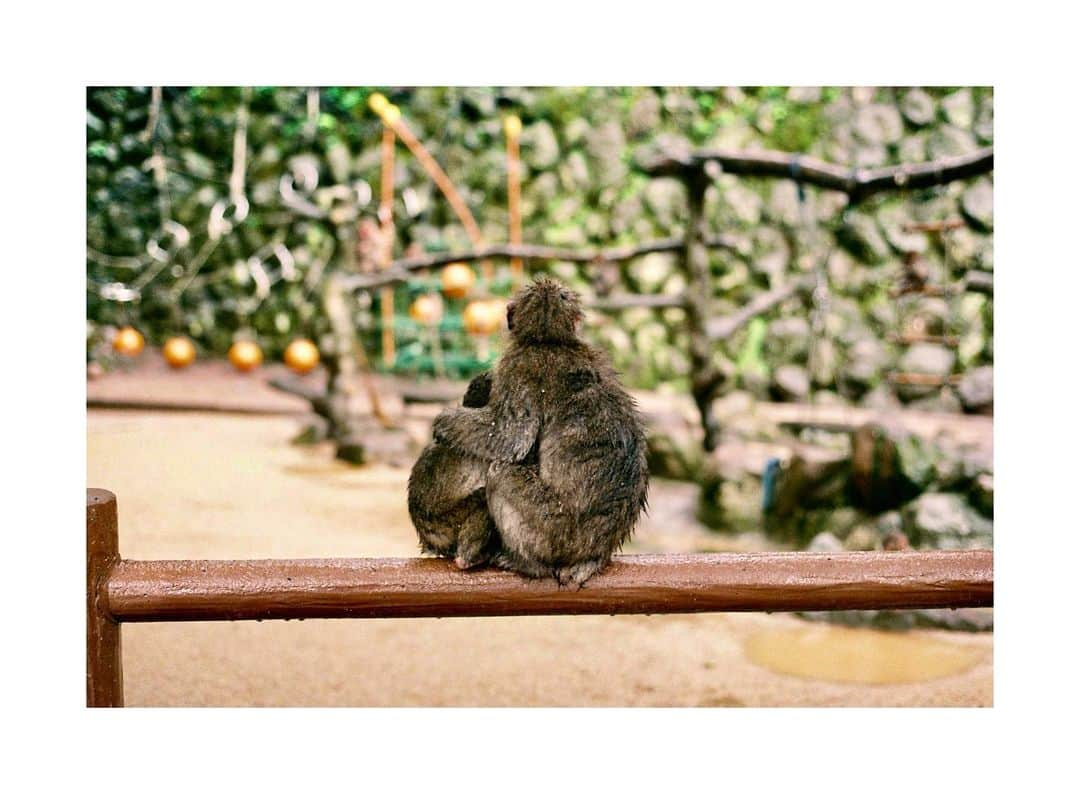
(245, 356)
(497, 307)
(457, 280)
(482, 318)
(427, 309)
(178, 351)
(128, 341)
(301, 356)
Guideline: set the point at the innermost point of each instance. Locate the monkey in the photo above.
(566, 478)
(446, 496)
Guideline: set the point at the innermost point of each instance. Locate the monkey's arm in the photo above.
(499, 431)
(479, 392)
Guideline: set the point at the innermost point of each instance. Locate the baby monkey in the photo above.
(446, 496)
(561, 444)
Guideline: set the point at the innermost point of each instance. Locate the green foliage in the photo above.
(580, 188)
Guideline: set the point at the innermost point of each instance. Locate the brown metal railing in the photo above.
(120, 591)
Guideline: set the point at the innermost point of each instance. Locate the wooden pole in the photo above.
(705, 378)
(391, 116)
(386, 221)
(104, 663)
(512, 127)
(647, 584)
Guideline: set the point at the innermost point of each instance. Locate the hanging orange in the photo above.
(497, 307)
(427, 309)
(128, 341)
(178, 351)
(457, 280)
(482, 318)
(301, 356)
(245, 356)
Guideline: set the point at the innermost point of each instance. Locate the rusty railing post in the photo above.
(104, 670)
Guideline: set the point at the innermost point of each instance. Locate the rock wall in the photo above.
(581, 188)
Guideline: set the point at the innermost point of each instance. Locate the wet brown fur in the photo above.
(446, 496)
(566, 477)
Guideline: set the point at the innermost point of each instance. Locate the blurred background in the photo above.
(272, 265)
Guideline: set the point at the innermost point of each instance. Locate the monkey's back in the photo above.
(591, 448)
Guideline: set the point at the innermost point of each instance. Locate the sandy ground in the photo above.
(219, 486)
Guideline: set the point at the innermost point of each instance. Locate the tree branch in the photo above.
(856, 182)
(720, 328)
(615, 303)
(399, 270)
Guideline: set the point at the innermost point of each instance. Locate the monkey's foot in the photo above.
(576, 575)
(465, 563)
(528, 568)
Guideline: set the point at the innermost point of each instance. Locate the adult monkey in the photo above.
(566, 511)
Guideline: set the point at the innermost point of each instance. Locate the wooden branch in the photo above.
(911, 339)
(110, 403)
(979, 281)
(705, 377)
(972, 281)
(400, 270)
(721, 328)
(175, 590)
(291, 386)
(856, 182)
(424, 393)
(926, 290)
(922, 379)
(615, 303)
(935, 226)
(392, 118)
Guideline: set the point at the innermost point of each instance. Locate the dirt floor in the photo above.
(195, 485)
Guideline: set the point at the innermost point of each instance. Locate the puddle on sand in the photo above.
(859, 656)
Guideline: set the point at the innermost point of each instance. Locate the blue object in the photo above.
(770, 479)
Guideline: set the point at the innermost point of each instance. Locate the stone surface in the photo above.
(982, 494)
(959, 108)
(946, 520)
(539, 145)
(826, 542)
(948, 141)
(791, 383)
(666, 199)
(862, 538)
(864, 364)
(941, 400)
(976, 390)
(862, 237)
(928, 359)
(605, 144)
(918, 107)
(978, 203)
(879, 123)
(788, 339)
(576, 145)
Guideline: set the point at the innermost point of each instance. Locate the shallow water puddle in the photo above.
(861, 656)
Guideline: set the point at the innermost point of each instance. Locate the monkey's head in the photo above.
(544, 312)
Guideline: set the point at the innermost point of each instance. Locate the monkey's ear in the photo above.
(510, 315)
